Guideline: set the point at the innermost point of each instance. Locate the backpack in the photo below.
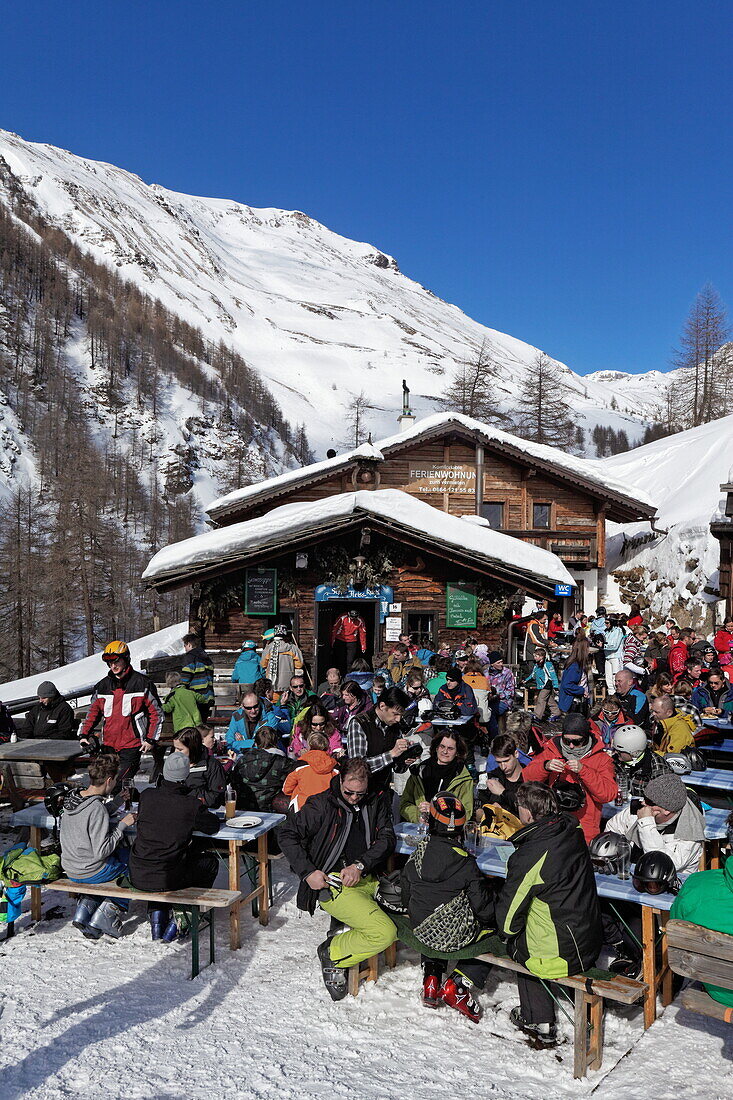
(21, 866)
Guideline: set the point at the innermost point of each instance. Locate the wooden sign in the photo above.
(260, 592)
(460, 605)
(441, 477)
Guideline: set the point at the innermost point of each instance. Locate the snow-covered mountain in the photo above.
(676, 570)
(320, 317)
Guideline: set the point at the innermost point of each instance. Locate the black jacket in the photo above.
(315, 837)
(7, 725)
(55, 721)
(444, 871)
(257, 776)
(508, 799)
(167, 817)
(548, 907)
(208, 780)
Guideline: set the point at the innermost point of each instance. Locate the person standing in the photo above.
(125, 704)
(349, 631)
(198, 673)
(281, 659)
(544, 678)
(574, 690)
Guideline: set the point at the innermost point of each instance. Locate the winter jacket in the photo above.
(198, 674)
(535, 636)
(247, 668)
(312, 775)
(636, 705)
(573, 685)
(449, 901)
(342, 715)
(168, 815)
(703, 697)
(464, 699)
(633, 649)
(348, 630)
(613, 642)
(314, 839)
(298, 745)
(723, 642)
(633, 776)
(503, 684)
(55, 721)
(398, 669)
(88, 837)
(257, 776)
(128, 709)
(241, 732)
(596, 777)
(183, 704)
(543, 675)
(707, 899)
(508, 798)
(460, 785)
(7, 725)
(682, 839)
(207, 778)
(678, 654)
(280, 659)
(363, 679)
(548, 906)
(674, 734)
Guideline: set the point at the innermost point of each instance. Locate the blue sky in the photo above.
(560, 171)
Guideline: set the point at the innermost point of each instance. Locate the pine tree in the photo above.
(543, 405)
(700, 392)
(471, 389)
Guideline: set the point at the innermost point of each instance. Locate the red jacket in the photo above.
(349, 630)
(596, 776)
(129, 710)
(678, 654)
(723, 643)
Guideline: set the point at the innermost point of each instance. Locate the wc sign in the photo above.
(563, 589)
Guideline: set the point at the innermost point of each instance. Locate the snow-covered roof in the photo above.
(283, 525)
(583, 470)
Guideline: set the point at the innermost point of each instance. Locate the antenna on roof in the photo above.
(406, 419)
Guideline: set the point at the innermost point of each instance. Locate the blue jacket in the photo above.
(238, 725)
(614, 641)
(464, 699)
(702, 698)
(247, 668)
(538, 675)
(570, 686)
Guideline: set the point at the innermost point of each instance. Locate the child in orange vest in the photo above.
(313, 772)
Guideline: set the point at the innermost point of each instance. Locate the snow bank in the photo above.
(299, 519)
(80, 676)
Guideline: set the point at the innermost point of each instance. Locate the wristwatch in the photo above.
(360, 865)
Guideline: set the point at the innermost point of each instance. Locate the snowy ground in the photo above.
(121, 1020)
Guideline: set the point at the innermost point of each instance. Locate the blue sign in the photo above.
(384, 593)
(563, 589)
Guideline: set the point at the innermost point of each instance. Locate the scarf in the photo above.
(436, 777)
(576, 752)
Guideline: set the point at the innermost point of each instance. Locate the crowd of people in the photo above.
(441, 739)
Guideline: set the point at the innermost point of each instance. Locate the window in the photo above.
(421, 628)
(540, 515)
(493, 511)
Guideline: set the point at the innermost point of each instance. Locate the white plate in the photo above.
(247, 822)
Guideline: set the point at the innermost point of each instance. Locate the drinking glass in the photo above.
(470, 836)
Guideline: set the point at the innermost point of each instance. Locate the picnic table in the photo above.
(492, 860)
(30, 750)
(37, 818)
(726, 745)
(719, 779)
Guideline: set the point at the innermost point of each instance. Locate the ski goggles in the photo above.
(654, 887)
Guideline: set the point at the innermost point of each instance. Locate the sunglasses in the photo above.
(318, 725)
(253, 706)
(573, 742)
(352, 794)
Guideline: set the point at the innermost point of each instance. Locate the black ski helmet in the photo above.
(389, 892)
(607, 850)
(696, 758)
(655, 874)
(447, 815)
(570, 796)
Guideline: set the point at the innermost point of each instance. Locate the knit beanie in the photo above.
(176, 767)
(666, 791)
(495, 656)
(46, 690)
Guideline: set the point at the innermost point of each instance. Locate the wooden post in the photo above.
(264, 879)
(649, 965)
(596, 1035)
(664, 970)
(34, 840)
(234, 932)
(580, 1035)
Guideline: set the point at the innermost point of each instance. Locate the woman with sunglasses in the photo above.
(577, 756)
(315, 720)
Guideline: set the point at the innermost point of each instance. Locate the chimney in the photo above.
(406, 418)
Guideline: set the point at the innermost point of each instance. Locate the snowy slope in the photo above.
(683, 473)
(320, 316)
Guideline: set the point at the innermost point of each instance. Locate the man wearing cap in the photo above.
(669, 821)
(50, 717)
(577, 755)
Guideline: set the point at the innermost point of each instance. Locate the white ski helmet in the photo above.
(630, 738)
(678, 763)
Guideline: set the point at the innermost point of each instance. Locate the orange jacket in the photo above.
(596, 776)
(312, 775)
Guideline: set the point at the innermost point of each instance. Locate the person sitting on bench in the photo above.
(163, 857)
(449, 904)
(335, 844)
(92, 848)
(547, 907)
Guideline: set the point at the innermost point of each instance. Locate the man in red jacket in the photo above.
(126, 704)
(578, 756)
(723, 642)
(679, 652)
(350, 631)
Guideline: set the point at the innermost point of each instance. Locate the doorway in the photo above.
(327, 612)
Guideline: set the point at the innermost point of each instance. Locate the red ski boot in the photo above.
(457, 994)
(431, 992)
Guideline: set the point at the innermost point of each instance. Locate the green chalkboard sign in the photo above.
(260, 592)
(460, 605)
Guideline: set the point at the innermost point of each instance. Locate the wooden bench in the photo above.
(193, 900)
(706, 956)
